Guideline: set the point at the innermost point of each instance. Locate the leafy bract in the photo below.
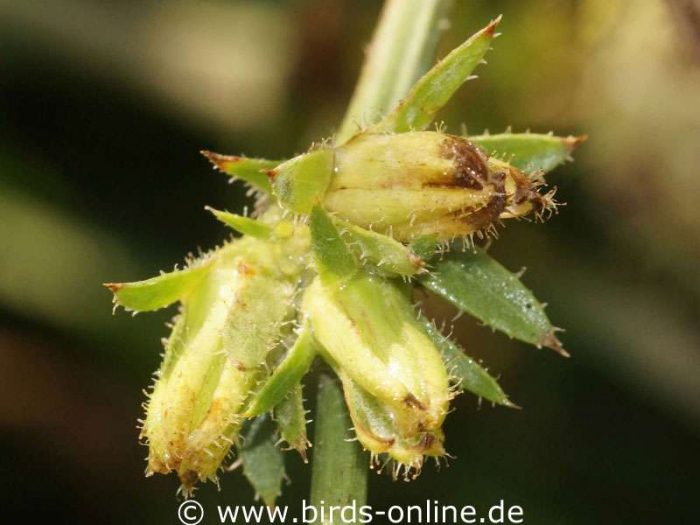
(263, 463)
(471, 376)
(434, 89)
(243, 225)
(157, 292)
(480, 286)
(248, 169)
(529, 152)
(286, 375)
(334, 260)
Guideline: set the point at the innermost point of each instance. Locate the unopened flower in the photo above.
(411, 185)
(369, 332)
(216, 354)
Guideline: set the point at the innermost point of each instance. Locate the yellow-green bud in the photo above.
(376, 430)
(369, 333)
(427, 183)
(215, 356)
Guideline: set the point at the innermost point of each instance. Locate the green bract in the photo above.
(325, 273)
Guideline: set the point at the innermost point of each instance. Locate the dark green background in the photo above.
(103, 108)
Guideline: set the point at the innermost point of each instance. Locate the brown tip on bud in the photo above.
(552, 341)
(412, 401)
(426, 441)
(113, 287)
(572, 142)
(491, 28)
(188, 479)
(271, 174)
(218, 160)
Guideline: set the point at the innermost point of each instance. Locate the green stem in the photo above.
(339, 469)
(402, 48)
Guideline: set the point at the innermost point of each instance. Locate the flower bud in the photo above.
(370, 335)
(215, 356)
(427, 183)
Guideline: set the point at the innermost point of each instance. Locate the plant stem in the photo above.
(402, 48)
(339, 470)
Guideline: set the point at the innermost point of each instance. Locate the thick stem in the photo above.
(402, 48)
(339, 469)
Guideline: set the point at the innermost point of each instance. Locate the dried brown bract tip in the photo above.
(219, 161)
(550, 340)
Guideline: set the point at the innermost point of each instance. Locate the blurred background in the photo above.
(103, 109)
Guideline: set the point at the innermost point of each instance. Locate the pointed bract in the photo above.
(469, 375)
(248, 169)
(262, 460)
(158, 292)
(478, 285)
(418, 110)
(286, 375)
(291, 420)
(529, 152)
(241, 224)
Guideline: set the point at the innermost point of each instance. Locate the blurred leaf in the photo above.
(471, 375)
(47, 254)
(291, 419)
(287, 374)
(253, 171)
(529, 151)
(437, 86)
(263, 463)
(334, 261)
(157, 292)
(477, 284)
(241, 224)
